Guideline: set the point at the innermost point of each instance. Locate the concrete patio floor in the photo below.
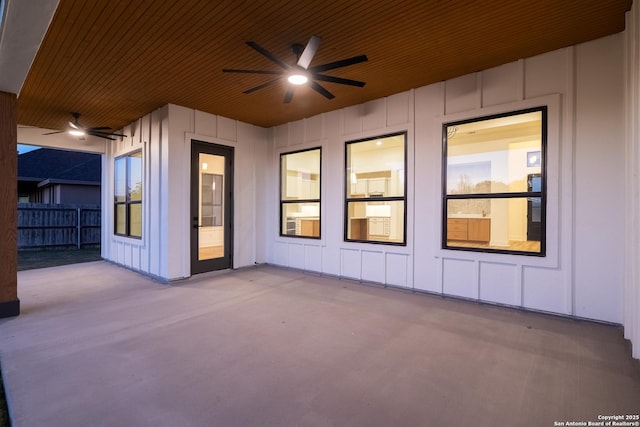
(98, 345)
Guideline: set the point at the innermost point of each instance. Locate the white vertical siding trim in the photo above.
(521, 80)
(479, 92)
(568, 154)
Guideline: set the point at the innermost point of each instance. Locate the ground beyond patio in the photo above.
(100, 345)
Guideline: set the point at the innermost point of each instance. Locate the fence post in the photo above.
(79, 226)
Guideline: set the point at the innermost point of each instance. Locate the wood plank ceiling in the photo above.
(117, 60)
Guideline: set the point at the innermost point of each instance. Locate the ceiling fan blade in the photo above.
(289, 94)
(339, 80)
(262, 86)
(75, 126)
(309, 52)
(55, 131)
(339, 64)
(104, 135)
(98, 128)
(268, 54)
(234, 70)
(322, 91)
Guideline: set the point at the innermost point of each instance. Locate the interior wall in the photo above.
(584, 186)
(164, 137)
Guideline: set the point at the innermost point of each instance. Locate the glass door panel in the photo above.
(210, 207)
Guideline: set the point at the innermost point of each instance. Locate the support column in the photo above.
(9, 302)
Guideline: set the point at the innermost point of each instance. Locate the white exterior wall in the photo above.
(582, 274)
(593, 237)
(164, 137)
(631, 319)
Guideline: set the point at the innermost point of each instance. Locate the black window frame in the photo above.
(296, 201)
(127, 202)
(403, 198)
(542, 194)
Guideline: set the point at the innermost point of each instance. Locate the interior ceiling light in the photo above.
(77, 132)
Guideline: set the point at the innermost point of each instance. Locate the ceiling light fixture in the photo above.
(297, 79)
(76, 130)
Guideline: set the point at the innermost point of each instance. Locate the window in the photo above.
(494, 183)
(375, 190)
(128, 195)
(300, 193)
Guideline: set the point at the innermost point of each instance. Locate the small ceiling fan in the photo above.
(78, 130)
(300, 72)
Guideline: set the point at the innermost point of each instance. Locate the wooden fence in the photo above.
(43, 226)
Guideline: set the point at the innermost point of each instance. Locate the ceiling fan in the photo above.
(300, 72)
(78, 130)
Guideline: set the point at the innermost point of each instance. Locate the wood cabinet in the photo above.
(359, 229)
(479, 230)
(457, 229)
(310, 227)
(469, 229)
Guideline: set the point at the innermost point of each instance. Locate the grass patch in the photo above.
(30, 259)
(4, 412)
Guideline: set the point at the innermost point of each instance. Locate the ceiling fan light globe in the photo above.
(297, 79)
(76, 132)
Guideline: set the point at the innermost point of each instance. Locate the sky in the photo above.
(26, 148)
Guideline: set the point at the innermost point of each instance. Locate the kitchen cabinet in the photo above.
(469, 229)
(457, 229)
(379, 226)
(310, 227)
(479, 230)
(377, 186)
(359, 229)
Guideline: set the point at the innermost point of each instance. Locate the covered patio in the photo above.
(271, 346)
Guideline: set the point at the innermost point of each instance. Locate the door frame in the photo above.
(225, 262)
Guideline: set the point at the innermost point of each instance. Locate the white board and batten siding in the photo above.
(582, 274)
(331, 255)
(164, 137)
(584, 271)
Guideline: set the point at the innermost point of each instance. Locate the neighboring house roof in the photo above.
(60, 166)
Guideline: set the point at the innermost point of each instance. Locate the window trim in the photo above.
(128, 202)
(543, 194)
(285, 202)
(402, 198)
